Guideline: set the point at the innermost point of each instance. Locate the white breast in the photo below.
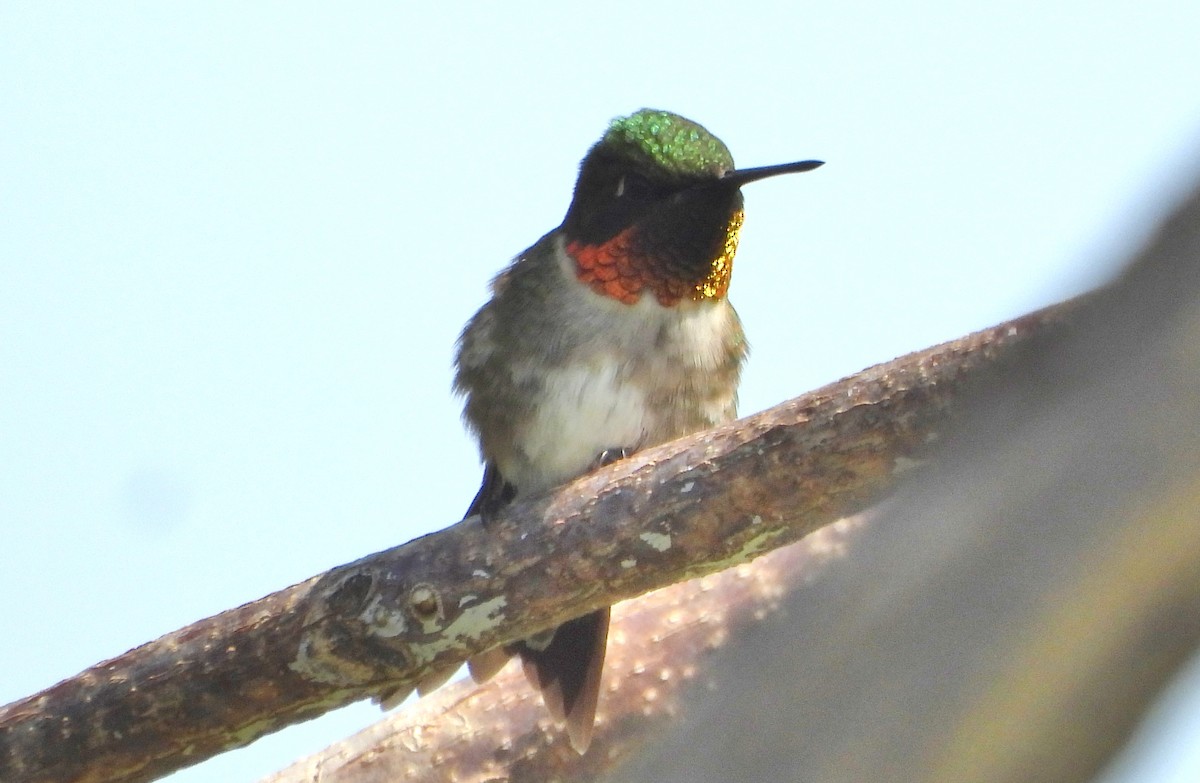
(609, 376)
(619, 394)
(584, 410)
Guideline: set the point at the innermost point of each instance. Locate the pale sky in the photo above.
(238, 242)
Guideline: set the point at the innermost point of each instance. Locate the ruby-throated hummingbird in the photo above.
(610, 334)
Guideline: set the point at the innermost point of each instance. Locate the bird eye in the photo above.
(635, 187)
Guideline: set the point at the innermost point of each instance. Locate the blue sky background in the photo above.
(237, 243)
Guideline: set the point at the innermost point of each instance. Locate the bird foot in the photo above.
(611, 455)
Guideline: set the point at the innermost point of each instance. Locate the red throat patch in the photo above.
(618, 270)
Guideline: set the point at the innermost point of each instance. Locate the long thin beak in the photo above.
(740, 177)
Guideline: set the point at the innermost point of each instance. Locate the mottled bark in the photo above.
(660, 647)
(378, 625)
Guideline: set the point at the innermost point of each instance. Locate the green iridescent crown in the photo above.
(672, 142)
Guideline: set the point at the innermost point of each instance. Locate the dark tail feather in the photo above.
(567, 672)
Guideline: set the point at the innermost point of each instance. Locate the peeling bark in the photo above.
(660, 646)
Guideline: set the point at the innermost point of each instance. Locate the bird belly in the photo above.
(583, 410)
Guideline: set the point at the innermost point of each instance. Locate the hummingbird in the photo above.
(610, 334)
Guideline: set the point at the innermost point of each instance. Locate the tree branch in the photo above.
(380, 624)
(1007, 616)
(660, 646)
